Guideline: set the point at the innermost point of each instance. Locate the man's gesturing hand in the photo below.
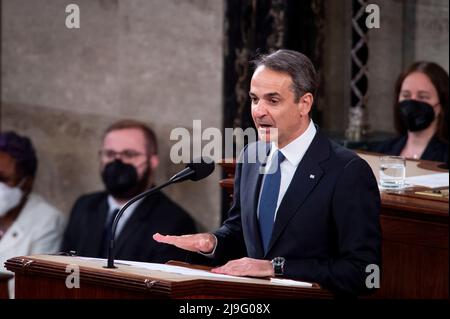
(203, 242)
(246, 267)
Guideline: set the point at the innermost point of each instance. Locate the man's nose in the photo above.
(118, 156)
(259, 109)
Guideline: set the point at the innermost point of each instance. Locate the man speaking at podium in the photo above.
(316, 216)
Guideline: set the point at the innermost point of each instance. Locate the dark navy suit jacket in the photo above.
(156, 213)
(327, 226)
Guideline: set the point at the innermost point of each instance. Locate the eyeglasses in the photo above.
(126, 155)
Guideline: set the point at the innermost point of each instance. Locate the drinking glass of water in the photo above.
(392, 172)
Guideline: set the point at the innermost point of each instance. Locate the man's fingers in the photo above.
(197, 242)
(245, 267)
(168, 239)
(218, 270)
(163, 239)
(232, 271)
(226, 269)
(183, 242)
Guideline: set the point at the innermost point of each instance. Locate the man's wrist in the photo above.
(213, 240)
(270, 266)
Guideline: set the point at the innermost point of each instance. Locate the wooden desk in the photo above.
(44, 276)
(415, 237)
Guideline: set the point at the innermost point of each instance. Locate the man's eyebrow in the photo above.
(272, 94)
(267, 95)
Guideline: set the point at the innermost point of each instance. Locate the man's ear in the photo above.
(305, 103)
(154, 161)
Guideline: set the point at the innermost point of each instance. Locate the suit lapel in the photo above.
(305, 178)
(254, 184)
(252, 188)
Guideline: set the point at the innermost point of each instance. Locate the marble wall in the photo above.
(431, 31)
(156, 61)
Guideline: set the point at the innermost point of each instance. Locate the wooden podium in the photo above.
(44, 276)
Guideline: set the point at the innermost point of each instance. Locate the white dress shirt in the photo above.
(293, 153)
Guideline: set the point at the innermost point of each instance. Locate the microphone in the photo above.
(197, 170)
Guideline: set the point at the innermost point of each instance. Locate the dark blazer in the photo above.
(436, 150)
(327, 226)
(156, 213)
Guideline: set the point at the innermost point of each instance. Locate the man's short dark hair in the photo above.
(150, 137)
(297, 65)
(21, 149)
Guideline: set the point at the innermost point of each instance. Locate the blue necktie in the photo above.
(269, 198)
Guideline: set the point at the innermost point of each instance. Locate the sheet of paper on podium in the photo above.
(198, 272)
(429, 180)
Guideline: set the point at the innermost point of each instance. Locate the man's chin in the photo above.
(268, 135)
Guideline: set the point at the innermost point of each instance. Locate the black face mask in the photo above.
(416, 115)
(121, 180)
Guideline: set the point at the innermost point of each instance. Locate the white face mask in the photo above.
(9, 198)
